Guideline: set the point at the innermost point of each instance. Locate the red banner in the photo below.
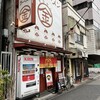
(48, 62)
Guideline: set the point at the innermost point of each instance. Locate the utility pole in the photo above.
(1, 23)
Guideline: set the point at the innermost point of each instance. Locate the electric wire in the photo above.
(80, 18)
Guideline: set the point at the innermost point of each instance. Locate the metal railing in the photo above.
(6, 68)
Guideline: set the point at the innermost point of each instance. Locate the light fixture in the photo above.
(43, 51)
(33, 49)
(54, 53)
(29, 49)
(29, 40)
(61, 54)
(12, 24)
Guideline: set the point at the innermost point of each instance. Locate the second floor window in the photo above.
(79, 38)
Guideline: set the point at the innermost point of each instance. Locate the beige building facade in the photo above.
(75, 41)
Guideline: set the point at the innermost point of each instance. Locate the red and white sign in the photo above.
(26, 14)
(48, 25)
(49, 78)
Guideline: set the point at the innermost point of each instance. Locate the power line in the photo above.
(80, 17)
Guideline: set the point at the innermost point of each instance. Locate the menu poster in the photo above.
(49, 79)
(58, 68)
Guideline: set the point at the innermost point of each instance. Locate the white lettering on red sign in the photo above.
(28, 59)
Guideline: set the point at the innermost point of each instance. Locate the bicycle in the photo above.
(67, 82)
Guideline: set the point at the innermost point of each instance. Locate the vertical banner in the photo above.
(58, 68)
(49, 80)
(26, 13)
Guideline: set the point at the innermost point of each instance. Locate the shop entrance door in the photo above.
(43, 82)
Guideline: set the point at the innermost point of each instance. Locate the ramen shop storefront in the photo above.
(47, 72)
(41, 30)
(49, 65)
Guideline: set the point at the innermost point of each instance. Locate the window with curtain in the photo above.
(79, 38)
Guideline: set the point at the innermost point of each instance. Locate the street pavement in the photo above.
(86, 89)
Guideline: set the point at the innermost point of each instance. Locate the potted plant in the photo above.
(5, 81)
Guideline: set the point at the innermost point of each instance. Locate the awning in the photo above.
(94, 59)
(39, 46)
(78, 53)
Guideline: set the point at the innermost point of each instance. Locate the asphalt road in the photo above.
(89, 91)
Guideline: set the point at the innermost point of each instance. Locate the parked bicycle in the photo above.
(67, 84)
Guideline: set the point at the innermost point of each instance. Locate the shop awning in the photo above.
(78, 53)
(94, 59)
(39, 46)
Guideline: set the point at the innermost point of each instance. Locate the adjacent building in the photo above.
(92, 22)
(75, 41)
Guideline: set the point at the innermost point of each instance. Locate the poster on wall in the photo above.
(27, 75)
(58, 68)
(49, 79)
(48, 24)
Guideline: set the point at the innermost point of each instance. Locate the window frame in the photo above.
(79, 38)
(9, 60)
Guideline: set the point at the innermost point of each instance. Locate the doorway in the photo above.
(43, 82)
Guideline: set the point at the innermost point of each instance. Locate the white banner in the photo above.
(25, 11)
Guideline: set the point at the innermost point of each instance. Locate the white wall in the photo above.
(70, 1)
(75, 15)
(96, 70)
(91, 42)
